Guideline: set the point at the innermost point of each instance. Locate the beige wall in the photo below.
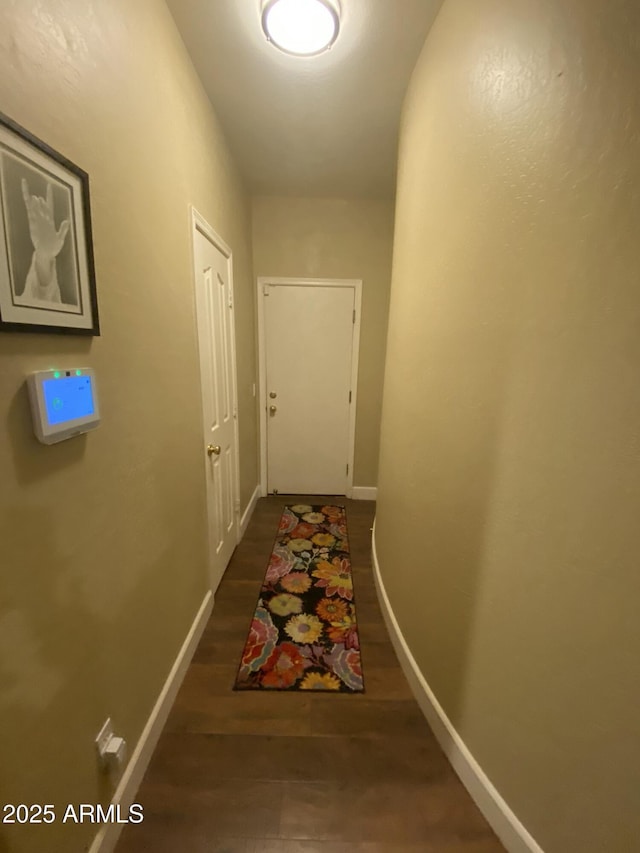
(338, 238)
(103, 537)
(509, 492)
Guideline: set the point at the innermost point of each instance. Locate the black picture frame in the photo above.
(47, 271)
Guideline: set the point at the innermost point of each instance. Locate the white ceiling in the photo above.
(320, 126)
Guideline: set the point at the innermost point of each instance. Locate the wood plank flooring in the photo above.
(256, 772)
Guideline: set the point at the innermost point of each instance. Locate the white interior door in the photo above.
(309, 350)
(217, 370)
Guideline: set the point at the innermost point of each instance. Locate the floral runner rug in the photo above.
(303, 635)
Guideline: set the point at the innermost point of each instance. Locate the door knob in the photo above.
(214, 450)
(273, 409)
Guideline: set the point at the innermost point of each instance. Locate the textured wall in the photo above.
(103, 537)
(509, 489)
(338, 238)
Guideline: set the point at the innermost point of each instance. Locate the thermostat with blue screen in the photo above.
(64, 403)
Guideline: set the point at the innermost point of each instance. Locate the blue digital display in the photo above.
(68, 399)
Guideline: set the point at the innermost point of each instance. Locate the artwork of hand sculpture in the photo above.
(42, 278)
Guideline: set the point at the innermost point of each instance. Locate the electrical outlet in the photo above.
(105, 735)
(111, 749)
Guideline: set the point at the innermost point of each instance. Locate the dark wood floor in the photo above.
(256, 772)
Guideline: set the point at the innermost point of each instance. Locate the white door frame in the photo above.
(354, 283)
(199, 223)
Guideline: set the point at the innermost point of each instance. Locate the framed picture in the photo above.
(47, 276)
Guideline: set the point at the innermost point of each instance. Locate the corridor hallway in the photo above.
(296, 772)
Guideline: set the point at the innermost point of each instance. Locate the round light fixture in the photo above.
(300, 27)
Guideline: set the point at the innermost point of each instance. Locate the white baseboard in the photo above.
(503, 821)
(108, 834)
(364, 493)
(246, 515)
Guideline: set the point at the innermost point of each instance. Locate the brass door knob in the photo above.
(214, 449)
(273, 409)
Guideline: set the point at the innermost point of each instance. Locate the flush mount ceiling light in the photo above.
(300, 27)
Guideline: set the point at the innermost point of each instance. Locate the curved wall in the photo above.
(509, 487)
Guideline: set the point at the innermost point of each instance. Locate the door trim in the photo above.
(356, 284)
(199, 224)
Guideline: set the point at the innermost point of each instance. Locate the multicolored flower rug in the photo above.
(303, 635)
